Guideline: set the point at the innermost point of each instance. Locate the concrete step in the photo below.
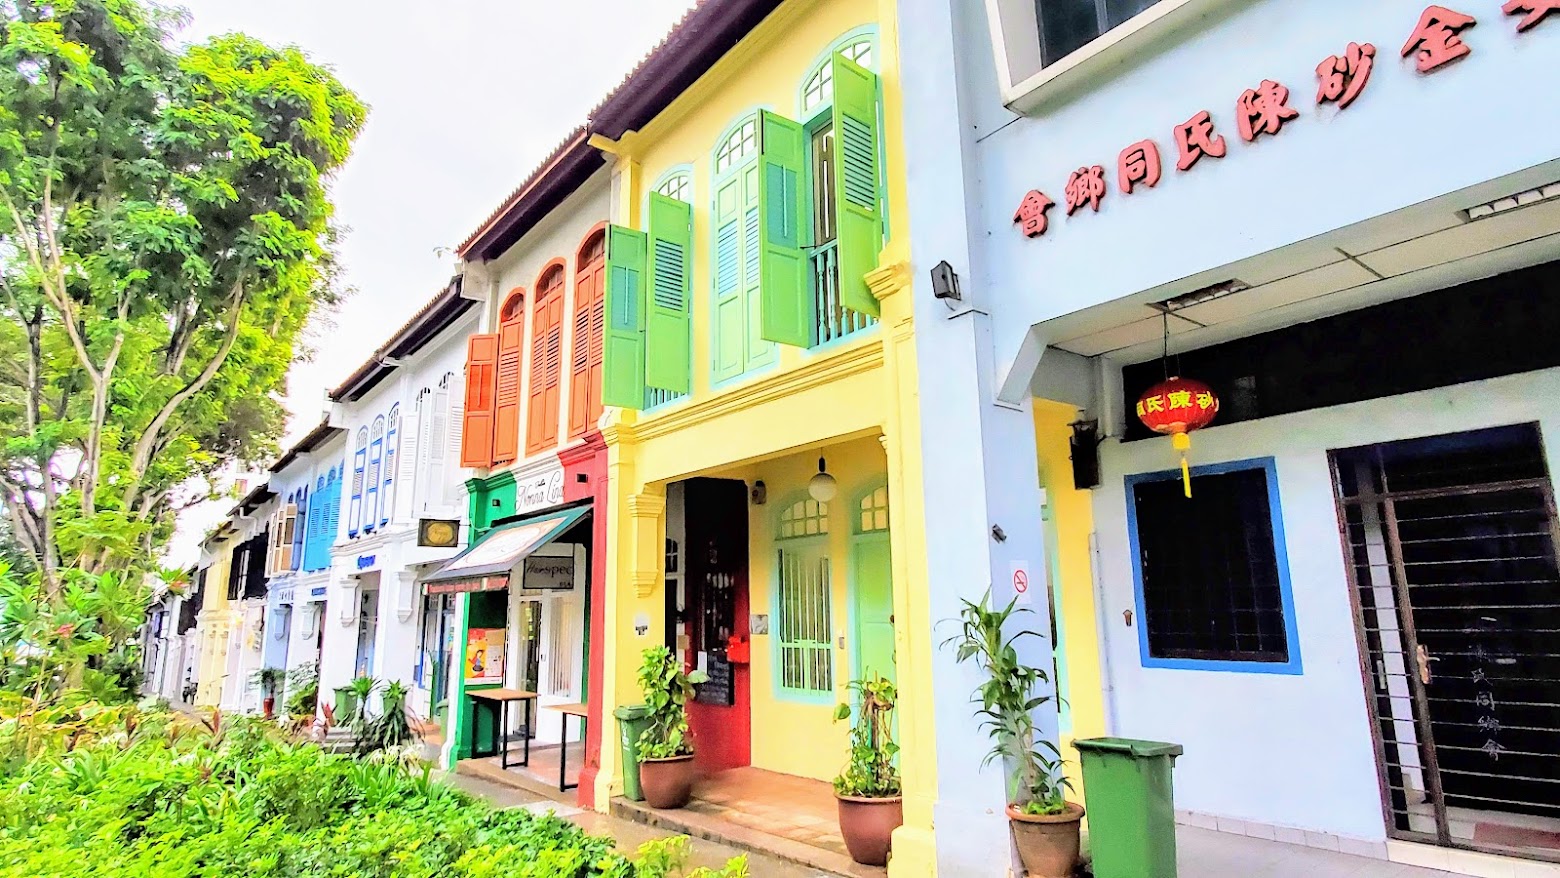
(690, 822)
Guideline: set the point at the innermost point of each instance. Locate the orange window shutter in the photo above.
(579, 366)
(476, 444)
(506, 427)
(538, 389)
(554, 369)
(598, 326)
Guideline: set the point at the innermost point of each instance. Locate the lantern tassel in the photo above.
(1182, 442)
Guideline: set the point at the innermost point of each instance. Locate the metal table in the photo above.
(565, 711)
(504, 697)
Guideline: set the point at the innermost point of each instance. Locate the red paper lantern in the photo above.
(1177, 406)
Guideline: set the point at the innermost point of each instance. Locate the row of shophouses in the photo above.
(837, 313)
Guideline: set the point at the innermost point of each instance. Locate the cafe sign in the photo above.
(540, 491)
(1437, 40)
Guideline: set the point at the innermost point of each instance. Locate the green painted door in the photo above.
(874, 582)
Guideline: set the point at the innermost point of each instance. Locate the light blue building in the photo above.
(1345, 218)
(307, 481)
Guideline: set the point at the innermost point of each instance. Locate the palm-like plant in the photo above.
(1007, 701)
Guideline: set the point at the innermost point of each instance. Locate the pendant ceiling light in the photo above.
(823, 487)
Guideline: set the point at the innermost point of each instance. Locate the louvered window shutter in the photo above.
(730, 321)
(359, 464)
(448, 412)
(511, 349)
(476, 448)
(785, 306)
(668, 357)
(300, 523)
(333, 523)
(859, 219)
(409, 454)
(623, 357)
(553, 387)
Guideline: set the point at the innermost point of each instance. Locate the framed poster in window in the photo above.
(485, 657)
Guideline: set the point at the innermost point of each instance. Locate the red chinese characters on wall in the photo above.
(1031, 213)
(1086, 186)
(1344, 76)
(1532, 11)
(1435, 42)
(1263, 110)
(1138, 163)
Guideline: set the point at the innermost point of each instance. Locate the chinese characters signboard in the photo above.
(1436, 41)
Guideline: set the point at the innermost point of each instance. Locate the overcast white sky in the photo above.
(465, 97)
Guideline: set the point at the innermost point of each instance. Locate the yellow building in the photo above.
(763, 455)
(215, 621)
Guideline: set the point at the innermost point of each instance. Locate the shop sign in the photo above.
(539, 491)
(549, 573)
(1436, 41)
(364, 562)
(285, 595)
(485, 656)
(317, 592)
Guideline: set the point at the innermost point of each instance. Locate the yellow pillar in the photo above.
(634, 612)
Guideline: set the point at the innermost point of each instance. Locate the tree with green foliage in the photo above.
(165, 233)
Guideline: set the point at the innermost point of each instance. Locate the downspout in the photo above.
(1107, 676)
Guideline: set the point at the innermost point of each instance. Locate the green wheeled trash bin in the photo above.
(1131, 806)
(632, 719)
(346, 704)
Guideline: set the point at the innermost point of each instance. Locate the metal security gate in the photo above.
(1451, 543)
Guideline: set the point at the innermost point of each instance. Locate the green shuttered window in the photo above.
(668, 356)
(623, 353)
(784, 303)
(859, 218)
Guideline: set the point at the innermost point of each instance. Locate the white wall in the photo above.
(1286, 750)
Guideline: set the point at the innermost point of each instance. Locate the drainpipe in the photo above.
(1102, 626)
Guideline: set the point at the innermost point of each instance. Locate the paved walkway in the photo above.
(629, 835)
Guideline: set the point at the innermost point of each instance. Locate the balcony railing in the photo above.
(832, 320)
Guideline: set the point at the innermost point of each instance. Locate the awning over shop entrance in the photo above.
(487, 565)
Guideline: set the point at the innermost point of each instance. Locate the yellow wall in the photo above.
(215, 624)
(791, 735)
(1071, 523)
(856, 400)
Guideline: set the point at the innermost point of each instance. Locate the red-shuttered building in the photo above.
(527, 594)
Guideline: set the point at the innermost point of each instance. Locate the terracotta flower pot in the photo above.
(667, 783)
(1047, 843)
(269, 706)
(868, 826)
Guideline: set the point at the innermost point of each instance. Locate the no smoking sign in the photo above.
(1020, 579)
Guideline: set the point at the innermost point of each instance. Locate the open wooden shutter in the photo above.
(359, 464)
(477, 433)
(284, 537)
(546, 370)
(298, 523)
(623, 355)
(668, 356)
(506, 415)
(859, 215)
(729, 322)
(589, 325)
(785, 307)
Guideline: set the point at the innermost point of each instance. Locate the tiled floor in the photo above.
(778, 804)
(1204, 853)
(540, 777)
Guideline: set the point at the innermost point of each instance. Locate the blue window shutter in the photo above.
(300, 523)
(333, 511)
(359, 467)
(387, 496)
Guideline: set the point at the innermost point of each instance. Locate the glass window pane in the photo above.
(1065, 26)
(1119, 11)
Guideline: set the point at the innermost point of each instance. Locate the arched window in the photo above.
(376, 457)
(736, 334)
(872, 511)
(818, 87)
(359, 464)
(677, 184)
(589, 326)
(804, 626)
(506, 395)
(392, 456)
(546, 358)
(740, 144)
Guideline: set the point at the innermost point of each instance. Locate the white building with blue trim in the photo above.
(1345, 218)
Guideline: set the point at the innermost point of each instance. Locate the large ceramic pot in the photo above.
(269, 706)
(868, 826)
(1047, 843)
(667, 783)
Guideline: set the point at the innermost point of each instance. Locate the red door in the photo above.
(717, 615)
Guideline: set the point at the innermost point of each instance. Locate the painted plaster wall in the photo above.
(1409, 137)
(795, 735)
(214, 622)
(559, 236)
(1287, 750)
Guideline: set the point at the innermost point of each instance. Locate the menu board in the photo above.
(720, 688)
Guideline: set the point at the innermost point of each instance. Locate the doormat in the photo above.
(1515, 836)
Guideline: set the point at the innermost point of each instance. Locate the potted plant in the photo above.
(665, 747)
(1045, 825)
(868, 790)
(269, 680)
(392, 729)
(356, 716)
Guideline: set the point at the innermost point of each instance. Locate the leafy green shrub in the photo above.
(173, 798)
(392, 729)
(870, 773)
(303, 690)
(667, 687)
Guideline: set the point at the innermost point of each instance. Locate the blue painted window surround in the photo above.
(1234, 602)
(359, 467)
